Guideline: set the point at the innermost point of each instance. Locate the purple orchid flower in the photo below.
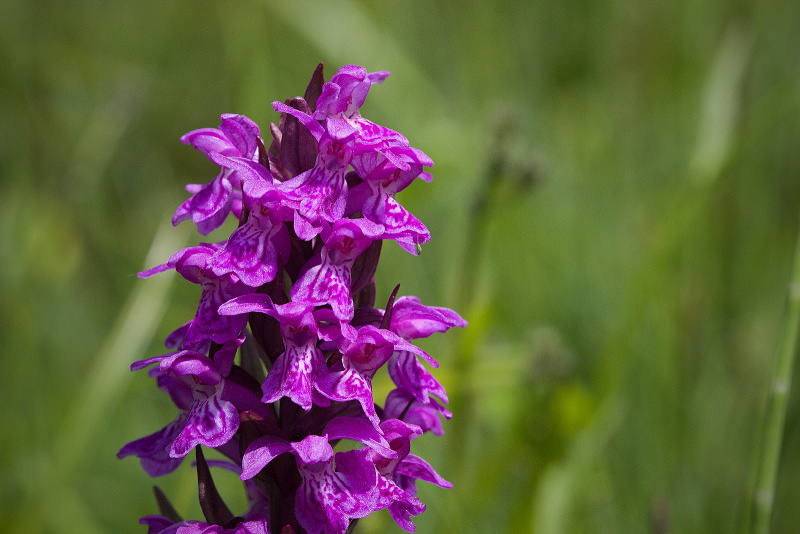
(342, 97)
(332, 492)
(193, 264)
(254, 250)
(329, 281)
(161, 525)
(402, 504)
(401, 404)
(211, 420)
(413, 320)
(319, 193)
(195, 387)
(339, 106)
(210, 204)
(374, 197)
(296, 372)
(361, 358)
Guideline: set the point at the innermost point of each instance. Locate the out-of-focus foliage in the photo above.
(613, 209)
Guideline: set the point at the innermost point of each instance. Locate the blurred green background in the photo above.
(614, 208)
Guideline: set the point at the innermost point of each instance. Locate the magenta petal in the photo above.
(152, 450)
(417, 468)
(406, 371)
(249, 253)
(252, 302)
(209, 207)
(350, 385)
(209, 141)
(294, 375)
(326, 284)
(155, 270)
(211, 422)
(374, 137)
(141, 364)
(242, 132)
(403, 509)
(359, 430)
(399, 222)
(413, 320)
(261, 452)
(190, 363)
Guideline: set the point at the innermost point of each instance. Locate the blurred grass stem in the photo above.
(769, 453)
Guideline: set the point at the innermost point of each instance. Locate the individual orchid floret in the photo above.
(413, 320)
(193, 264)
(402, 505)
(400, 404)
(297, 370)
(163, 525)
(361, 358)
(153, 450)
(196, 388)
(398, 473)
(329, 281)
(210, 204)
(375, 196)
(382, 208)
(332, 492)
(408, 373)
(254, 250)
(321, 192)
(339, 106)
(211, 420)
(342, 97)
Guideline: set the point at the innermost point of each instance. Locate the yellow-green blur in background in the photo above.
(614, 206)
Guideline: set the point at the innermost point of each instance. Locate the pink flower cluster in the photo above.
(276, 366)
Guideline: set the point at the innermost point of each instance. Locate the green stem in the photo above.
(775, 417)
